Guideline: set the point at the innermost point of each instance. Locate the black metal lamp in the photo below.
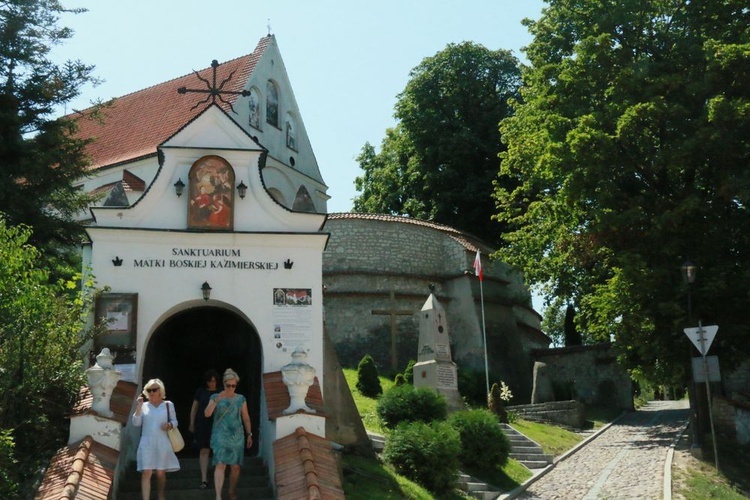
(242, 189)
(179, 186)
(689, 271)
(206, 289)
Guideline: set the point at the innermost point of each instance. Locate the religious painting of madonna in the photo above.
(211, 200)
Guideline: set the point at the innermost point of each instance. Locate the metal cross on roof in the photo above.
(212, 90)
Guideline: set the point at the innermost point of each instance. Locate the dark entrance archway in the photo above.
(193, 341)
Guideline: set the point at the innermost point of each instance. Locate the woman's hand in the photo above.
(249, 442)
(166, 427)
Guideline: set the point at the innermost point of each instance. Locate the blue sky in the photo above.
(347, 60)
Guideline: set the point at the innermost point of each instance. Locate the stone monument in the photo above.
(435, 367)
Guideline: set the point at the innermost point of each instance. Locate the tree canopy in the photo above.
(440, 161)
(630, 152)
(41, 361)
(39, 156)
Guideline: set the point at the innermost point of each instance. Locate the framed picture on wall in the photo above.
(118, 312)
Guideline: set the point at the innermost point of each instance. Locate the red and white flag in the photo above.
(478, 267)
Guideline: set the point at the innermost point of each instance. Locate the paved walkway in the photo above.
(624, 461)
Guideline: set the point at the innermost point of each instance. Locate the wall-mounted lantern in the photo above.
(242, 189)
(206, 290)
(179, 186)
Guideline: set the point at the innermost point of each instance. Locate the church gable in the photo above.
(259, 99)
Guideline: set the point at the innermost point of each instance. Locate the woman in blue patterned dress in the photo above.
(156, 416)
(231, 433)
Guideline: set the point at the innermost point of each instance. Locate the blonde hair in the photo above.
(157, 382)
(230, 374)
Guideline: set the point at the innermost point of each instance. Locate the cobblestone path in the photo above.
(624, 462)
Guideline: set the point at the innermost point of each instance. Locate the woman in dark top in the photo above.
(200, 425)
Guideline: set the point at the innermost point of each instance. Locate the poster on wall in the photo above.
(292, 318)
(116, 316)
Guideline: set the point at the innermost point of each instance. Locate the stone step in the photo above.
(535, 464)
(525, 450)
(185, 483)
(531, 457)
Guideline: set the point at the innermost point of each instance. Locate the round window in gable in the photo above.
(291, 160)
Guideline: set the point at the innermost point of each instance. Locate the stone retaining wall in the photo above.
(569, 413)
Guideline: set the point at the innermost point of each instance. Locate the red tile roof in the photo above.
(83, 470)
(278, 400)
(138, 122)
(120, 403)
(306, 468)
(132, 182)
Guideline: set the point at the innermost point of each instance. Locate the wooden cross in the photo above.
(392, 312)
(212, 90)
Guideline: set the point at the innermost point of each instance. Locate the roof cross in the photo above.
(212, 90)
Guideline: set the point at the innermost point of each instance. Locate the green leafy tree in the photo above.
(440, 161)
(41, 370)
(40, 158)
(631, 152)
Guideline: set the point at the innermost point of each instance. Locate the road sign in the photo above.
(699, 369)
(708, 333)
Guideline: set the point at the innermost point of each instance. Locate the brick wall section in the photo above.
(591, 371)
(368, 257)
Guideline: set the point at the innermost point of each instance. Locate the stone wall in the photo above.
(738, 380)
(589, 374)
(370, 257)
(732, 419)
(568, 413)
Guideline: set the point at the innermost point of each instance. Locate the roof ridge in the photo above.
(475, 242)
(77, 468)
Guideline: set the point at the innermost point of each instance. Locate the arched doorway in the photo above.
(193, 341)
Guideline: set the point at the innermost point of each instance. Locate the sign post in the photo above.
(702, 337)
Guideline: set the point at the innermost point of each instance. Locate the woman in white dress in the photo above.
(156, 416)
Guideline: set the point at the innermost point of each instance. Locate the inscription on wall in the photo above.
(206, 258)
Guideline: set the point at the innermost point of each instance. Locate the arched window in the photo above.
(290, 128)
(272, 104)
(211, 201)
(254, 108)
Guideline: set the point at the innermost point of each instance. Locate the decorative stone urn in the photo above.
(103, 379)
(298, 377)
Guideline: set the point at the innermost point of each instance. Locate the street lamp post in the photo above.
(689, 271)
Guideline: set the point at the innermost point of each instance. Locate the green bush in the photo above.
(399, 379)
(483, 443)
(496, 404)
(409, 372)
(425, 453)
(368, 382)
(407, 404)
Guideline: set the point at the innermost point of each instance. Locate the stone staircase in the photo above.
(525, 450)
(183, 484)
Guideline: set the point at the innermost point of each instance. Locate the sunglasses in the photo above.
(152, 389)
(230, 385)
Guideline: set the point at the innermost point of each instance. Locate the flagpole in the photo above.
(478, 272)
(484, 337)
